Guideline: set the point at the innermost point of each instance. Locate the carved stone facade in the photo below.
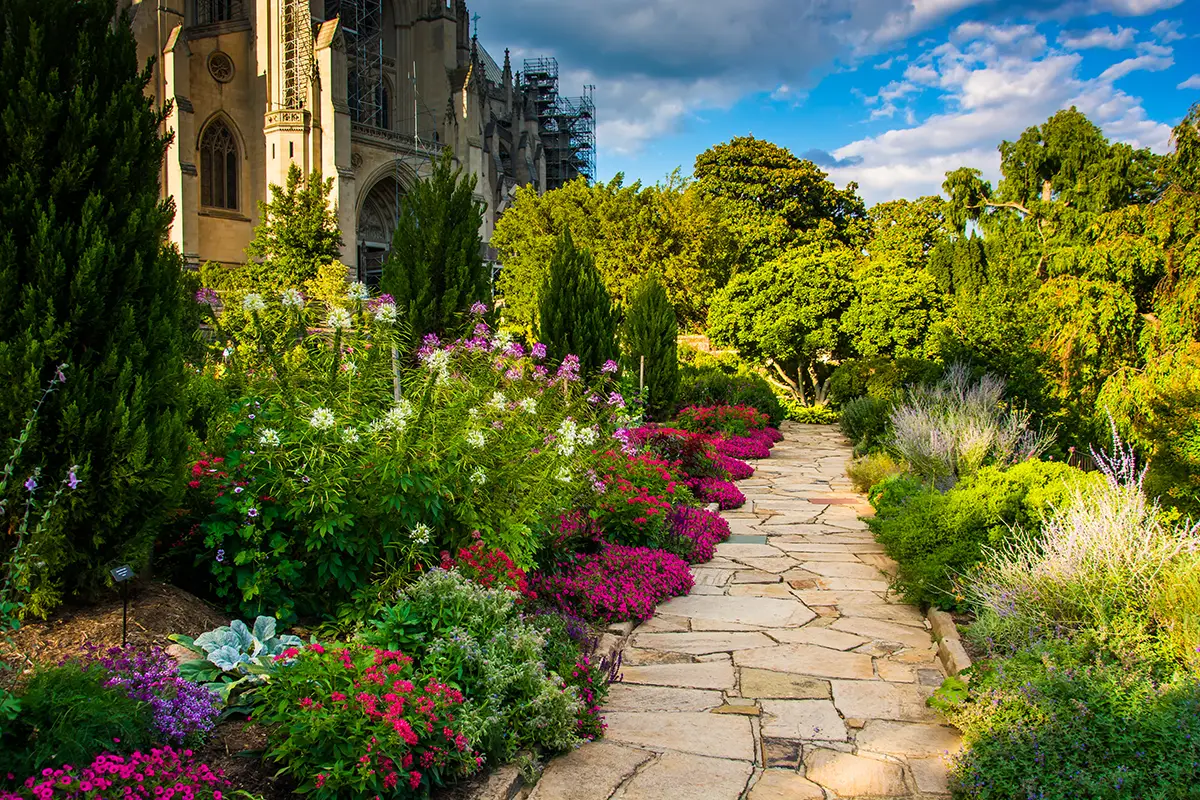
(256, 85)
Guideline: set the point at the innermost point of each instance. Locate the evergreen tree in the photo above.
(969, 266)
(651, 332)
(86, 280)
(575, 312)
(941, 265)
(435, 270)
(298, 234)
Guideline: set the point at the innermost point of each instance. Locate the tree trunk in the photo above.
(1046, 193)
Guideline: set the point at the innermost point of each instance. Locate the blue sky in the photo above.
(888, 93)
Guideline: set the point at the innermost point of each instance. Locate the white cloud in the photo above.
(1149, 63)
(1098, 37)
(1168, 31)
(1191, 83)
(989, 94)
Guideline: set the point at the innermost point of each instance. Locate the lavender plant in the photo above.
(951, 429)
(1099, 560)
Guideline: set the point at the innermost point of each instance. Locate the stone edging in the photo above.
(950, 648)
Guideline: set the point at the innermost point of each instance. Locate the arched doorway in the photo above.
(376, 224)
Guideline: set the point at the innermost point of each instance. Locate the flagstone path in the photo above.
(790, 672)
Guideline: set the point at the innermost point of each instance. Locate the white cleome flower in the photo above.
(476, 439)
(502, 340)
(254, 302)
(421, 534)
(498, 402)
(350, 435)
(568, 435)
(529, 405)
(292, 298)
(589, 436)
(339, 318)
(322, 419)
(479, 477)
(269, 437)
(563, 475)
(387, 314)
(397, 418)
(358, 292)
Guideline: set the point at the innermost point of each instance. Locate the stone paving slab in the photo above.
(791, 671)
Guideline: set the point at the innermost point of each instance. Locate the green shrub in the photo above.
(807, 415)
(882, 378)
(864, 420)
(708, 380)
(475, 638)
(871, 469)
(936, 537)
(1176, 610)
(1066, 720)
(69, 716)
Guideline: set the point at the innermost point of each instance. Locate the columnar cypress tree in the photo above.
(87, 280)
(575, 311)
(969, 265)
(651, 332)
(298, 234)
(435, 270)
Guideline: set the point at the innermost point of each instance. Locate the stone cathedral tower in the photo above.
(366, 91)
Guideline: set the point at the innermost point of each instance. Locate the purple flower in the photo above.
(539, 350)
(59, 374)
(610, 366)
(31, 484)
(431, 340)
(616, 400)
(594, 399)
(374, 304)
(569, 371)
(482, 329)
(72, 479)
(238, 490)
(220, 556)
(513, 374)
(252, 513)
(478, 309)
(514, 350)
(208, 297)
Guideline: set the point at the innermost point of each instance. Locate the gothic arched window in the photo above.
(218, 167)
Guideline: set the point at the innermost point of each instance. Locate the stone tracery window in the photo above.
(219, 167)
(210, 12)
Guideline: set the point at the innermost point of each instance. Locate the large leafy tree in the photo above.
(892, 312)
(649, 335)
(787, 315)
(86, 280)
(575, 313)
(670, 230)
(777, 199)
(435, 269)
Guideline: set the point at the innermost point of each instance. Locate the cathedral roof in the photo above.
(491, 69)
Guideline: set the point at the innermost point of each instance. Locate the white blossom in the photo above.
(254, 302)
(476, 439)
(568, 436)
(350, 435)
(563, 475)
(292, 299)
(479, 477)
(358, 292)
(529, 405)
(589, 436)
(322, 419)
(339, 318)
(421, 534)
(396, 419)
(269, 437)
(386, 313)
(498, 402)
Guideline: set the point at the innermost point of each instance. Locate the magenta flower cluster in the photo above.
(618, 583)
(735, 469)
(744, 447)
(161, 774)
(717, 490)
(181, 709)
(706, 529)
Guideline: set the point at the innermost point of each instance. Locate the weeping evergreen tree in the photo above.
(651, 332)
(969, 265)
(436, 270)
(86, 280)
(575, 311)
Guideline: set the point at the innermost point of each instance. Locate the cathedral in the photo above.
(368, 92)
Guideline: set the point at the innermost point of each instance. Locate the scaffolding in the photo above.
(567, 124)
(297, 34)
(362, 25)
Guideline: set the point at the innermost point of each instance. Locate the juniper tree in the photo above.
(86, 279)
(650, 332)
(575, 312)
(435, 269)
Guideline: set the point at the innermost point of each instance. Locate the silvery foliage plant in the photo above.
(237, 659)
